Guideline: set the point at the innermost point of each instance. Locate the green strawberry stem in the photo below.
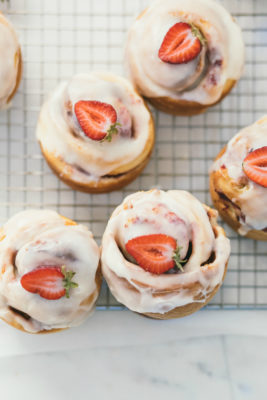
(67, 281)
(177, 259)
(196, 32)
(111, 131)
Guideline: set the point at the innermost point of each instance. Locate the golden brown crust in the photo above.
(183, 311)
(17, 55)
(193, 289)
(183, 107)
(220, 182)
(98, 280)
(17, 325)
(115, 180)
(190, 308)
(19, 75)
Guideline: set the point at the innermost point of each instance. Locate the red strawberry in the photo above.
(97, 120)
(154, 253)
(255, 166)
(50, 282)
(181, 44)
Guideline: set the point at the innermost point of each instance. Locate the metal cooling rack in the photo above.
(63, 37)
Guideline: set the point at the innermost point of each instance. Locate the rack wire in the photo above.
(63, 37)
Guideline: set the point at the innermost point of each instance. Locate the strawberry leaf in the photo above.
(111, 131)
(67, 281)
(177, 259)
(197, 33)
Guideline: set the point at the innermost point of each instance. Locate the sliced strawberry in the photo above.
(255, 166)
(181, 44)
(154, 253)
(97, 120)
(50, 282)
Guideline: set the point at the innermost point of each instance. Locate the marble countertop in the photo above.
(122, 356)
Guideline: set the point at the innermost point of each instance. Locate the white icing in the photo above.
(155, 78)
(253, 197)
(97, 159)
(9, 48)
(37, 238)
(188, 221)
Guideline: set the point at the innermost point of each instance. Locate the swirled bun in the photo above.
(49, 272)
(11, 62)
(87, 158)
(240, 200)
(208, 62)
(163, 253)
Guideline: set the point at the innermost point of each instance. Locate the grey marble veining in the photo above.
(247, 357)
(124, 328)
(218, 367)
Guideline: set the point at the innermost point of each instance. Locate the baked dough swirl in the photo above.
(185, 88)
(37, 239)
(89, 165)
(201, 241)
(240, 201)
(11, 62)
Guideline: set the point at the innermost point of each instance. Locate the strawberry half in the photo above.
(97, 120)
(50, 282)
(255, 166)
(154, 253)
(181, 44)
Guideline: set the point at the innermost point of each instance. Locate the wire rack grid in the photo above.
(62, 37)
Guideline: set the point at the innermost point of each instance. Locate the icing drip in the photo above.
(252, 199)
(59, 132)
(38, 238)
(9, 49)
(177, 214)
(200, 80)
